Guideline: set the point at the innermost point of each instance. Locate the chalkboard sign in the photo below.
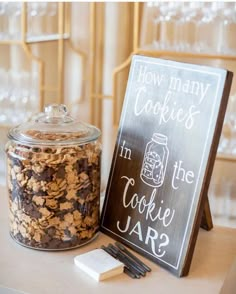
(166, 146)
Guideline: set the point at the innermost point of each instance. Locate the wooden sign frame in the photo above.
(167, 141)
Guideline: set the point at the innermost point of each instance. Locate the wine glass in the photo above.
(3, 95)
(36, 13)
(34, 90)
(179, 18)
(13, 13)
(164, 24)
(13, 111)
(232, 123)
(31, 12)
(3, 20)
(201, 19)
(25, 102)
(225, 139)
(51, 13)
(157, 18)
(168, 11)
(227, 40)
(187, 26)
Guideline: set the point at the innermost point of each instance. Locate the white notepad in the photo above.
(99, 264)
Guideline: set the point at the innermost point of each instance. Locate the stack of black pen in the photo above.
(134, 267)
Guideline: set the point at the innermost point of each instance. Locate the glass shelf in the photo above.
(152, 51)
(36, 39)
(226, 157)
(54, 37)
(10, 42)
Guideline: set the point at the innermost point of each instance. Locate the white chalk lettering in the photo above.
(180, 174)
(124, 151)
(196, 88)
(148, 207)
(126, 227)
(165, 112)
(149, 77)
(152, 236)
(138, 232)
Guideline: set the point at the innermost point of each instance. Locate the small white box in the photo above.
(99, 264)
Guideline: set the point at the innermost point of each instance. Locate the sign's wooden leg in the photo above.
(206, 222)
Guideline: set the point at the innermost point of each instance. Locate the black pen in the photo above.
(108, 251)
(126, 269)
(125, 261)
(123, 258)
(122, 248)
(140, 268)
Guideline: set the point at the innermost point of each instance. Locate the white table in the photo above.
(41, 272)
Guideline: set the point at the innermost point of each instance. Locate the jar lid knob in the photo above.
(55, 110)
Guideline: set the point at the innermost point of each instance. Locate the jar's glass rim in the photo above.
(54, 127)
(24, 140)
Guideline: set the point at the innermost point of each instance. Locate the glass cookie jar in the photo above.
(53, 165)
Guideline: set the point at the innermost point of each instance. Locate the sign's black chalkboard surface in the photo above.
(166, 146)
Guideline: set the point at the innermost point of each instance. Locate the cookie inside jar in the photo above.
(54, 183)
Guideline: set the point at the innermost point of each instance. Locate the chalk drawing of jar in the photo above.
(155, 161)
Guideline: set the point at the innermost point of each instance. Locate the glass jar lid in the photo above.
(54, 126)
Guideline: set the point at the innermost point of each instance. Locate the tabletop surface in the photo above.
(43, 272)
